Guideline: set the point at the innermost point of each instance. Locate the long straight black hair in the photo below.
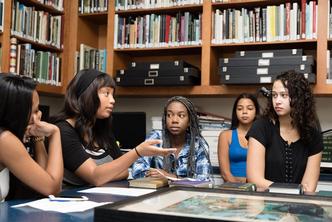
(16, 103)
(83, 107)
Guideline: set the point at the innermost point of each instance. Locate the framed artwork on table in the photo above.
(201, 204)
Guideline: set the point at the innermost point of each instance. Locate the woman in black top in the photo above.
(286, 145)
(90, 152)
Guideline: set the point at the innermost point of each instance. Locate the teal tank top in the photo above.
(237, 156)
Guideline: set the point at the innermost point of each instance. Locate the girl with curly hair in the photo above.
(286, 145)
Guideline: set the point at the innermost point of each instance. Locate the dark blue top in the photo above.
(237, 156)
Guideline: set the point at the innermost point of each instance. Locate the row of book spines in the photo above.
(93, 58)
(40, 65)
(158, 30)
(150, 4)
(92, 6)
(39, 26)
(57, 4)
(271, 23)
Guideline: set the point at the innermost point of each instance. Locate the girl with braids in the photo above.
(232, 144)
(180, 130)
(286, 145)
(90, 152)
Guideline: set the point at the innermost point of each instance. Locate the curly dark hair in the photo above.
(302, 103)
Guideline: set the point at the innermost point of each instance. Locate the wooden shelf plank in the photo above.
(212, 90)
(46, 89)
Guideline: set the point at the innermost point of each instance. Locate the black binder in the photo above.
(181, 80)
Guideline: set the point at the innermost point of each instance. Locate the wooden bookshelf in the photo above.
(7, 34)
(206, 56)
(97, 30)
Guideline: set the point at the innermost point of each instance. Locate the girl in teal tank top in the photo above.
(232, 144)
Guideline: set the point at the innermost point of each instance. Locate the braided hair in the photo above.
(193, 131)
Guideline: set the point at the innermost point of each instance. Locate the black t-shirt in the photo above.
(75, 153)
(284, 163)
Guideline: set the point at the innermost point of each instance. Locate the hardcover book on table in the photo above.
(237, 186)
(148, 182)
(287, 188)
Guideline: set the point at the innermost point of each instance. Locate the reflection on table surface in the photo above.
(28, 214)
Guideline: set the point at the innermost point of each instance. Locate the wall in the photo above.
(221, 106)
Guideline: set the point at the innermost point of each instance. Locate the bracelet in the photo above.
(38, 139)
(137, 152)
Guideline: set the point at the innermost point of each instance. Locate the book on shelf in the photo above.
(1, 14)
(286, 188)
(190, 183)
(149, 182)
(90, 57)
(13, 55)
(236, 186)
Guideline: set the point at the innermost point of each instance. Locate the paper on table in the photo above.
(61, 206)
(133, 192)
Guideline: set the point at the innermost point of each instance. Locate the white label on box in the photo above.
(265, 79)
(262, 71)
(226, 60)
(227, 77)
(154, 66)
(302, 67)
(263, 62)
(267, 55)
(224, 69)
(304, 58)
(294, 51)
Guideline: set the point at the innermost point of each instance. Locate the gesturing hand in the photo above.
(148, 148)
